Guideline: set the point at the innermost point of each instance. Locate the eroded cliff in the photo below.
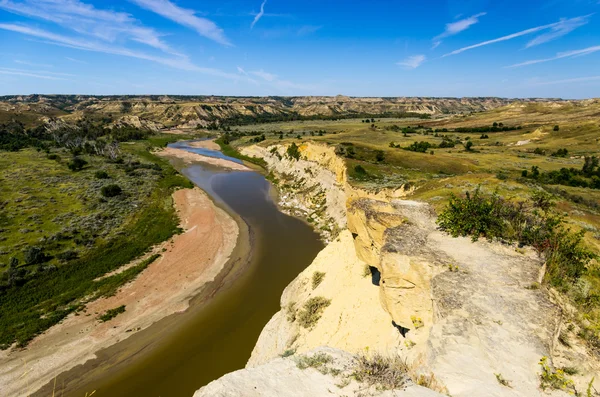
(391, 283)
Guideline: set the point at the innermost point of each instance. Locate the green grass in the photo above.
(230, 151)
(48, 296)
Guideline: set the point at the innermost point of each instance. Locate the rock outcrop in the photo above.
(284, 377)
(463, 311)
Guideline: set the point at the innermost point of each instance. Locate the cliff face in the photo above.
(395, 285)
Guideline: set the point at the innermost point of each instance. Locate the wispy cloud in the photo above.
(179, 62)
(307, 29)
(564, 27)
(569, 81)
(27, 73)
(39, 65)
(106, 25)
(185, 17)
(282, 85)
(75, 60)
(412, 62)
(514, 35)
(458, 26)
(264, 75)
(258, 16)
(560, 55)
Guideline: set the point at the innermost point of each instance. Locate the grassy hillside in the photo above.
(63, 228)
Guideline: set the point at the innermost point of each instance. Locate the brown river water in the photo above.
(216, 335)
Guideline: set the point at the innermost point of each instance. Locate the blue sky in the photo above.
(525, 48)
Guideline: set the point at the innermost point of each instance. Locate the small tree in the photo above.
(380, 156)
(293, 151)
(111, 190)
(76, 164)
(34, 255)
(101, 175)
(469, 145)
(556, 128)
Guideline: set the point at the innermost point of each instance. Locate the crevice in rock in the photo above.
(375, 275)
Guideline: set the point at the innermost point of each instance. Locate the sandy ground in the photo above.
(206, 144)
(190, 157)
(191, 259)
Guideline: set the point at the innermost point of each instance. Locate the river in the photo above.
(183, 352)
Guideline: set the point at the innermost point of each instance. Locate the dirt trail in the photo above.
(191, 259)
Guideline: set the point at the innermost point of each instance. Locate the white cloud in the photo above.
(82, 18)
(185, 17)
(560, 55)
(564, 27)
(41, 65)
(413, 62)
(75, 60)
(435, 45)
(569, 81)
(241, 70)
(459, 26)
(27, 73)
(264, 75)
(307, 29)
(179, 62)
(512, 36)
(258, 16)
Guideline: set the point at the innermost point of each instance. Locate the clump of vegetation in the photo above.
(377, 370)
(293, 152)
(111, 190)
(555, 379)
(76, 164)
(417, 321)
(502, 381)
(288, 353)
(420, 147)
(112, 313)
(317, 278)
(317, 361)
(360, 170)
(101, 174)
(588, 176)
(560, 153)
(529, 223)
(312, 311)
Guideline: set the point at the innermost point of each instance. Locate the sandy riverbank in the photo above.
(206, 144)
(189, 157)
(190, 260)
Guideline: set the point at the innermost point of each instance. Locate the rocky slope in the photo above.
(462, 311)
(191, 112)
(288, 376)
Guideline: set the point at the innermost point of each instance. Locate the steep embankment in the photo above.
(462, 311)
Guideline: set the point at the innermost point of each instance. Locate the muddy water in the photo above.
(180, 354)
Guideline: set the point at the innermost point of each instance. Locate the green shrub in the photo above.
(76, 164)
(101, 174)
(293, 151)
(386, 373)
(312, 310)
(359, 170)
(112, 313)
(529, 223)
(317, 278)
(111, 190)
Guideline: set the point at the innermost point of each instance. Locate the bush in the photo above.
(556, 128)
(386, 373)
(76, 164)
(359, 169)
(380, 156)
(112, 313)
(317, 278)
(53, 156)
(293, 151)
(101, 175)
(34, 256)
(420, 147)
(529, 223)
(111, 190)
(312, 310)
